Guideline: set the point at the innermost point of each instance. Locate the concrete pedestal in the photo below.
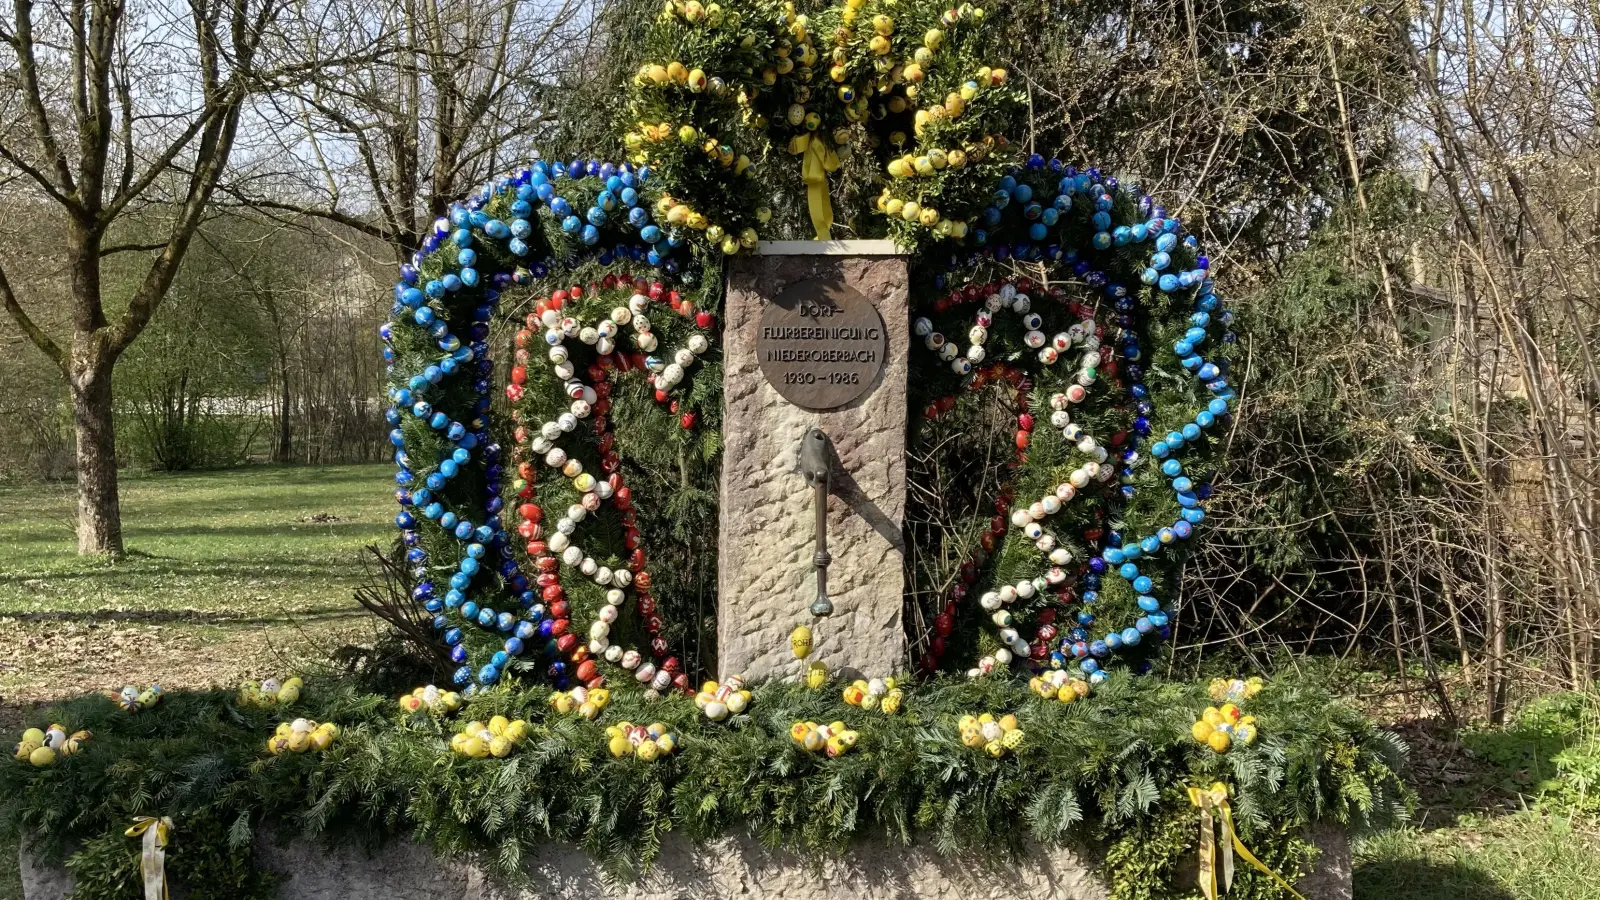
(766, 580)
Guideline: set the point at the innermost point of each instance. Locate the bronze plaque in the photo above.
(821, 344)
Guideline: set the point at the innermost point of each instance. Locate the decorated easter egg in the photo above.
(890, 703)
(814, 739)
(800, 642)
(816, 675)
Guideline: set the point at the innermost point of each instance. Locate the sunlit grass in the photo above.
(227, 572)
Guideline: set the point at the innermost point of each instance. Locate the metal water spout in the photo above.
(816, 464)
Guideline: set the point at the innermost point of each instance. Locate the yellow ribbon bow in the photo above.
(153, 860)
(1216, 798)
(818, 160)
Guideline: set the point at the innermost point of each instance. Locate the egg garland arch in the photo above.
(625, 257)
(481, 586)
(1061, 371)
(1135, 271)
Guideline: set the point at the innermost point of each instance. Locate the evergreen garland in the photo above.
(1108, 770)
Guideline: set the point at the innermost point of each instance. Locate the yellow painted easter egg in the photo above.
(1201, 731)
(800, 642)
(891, 701)
(1219, 741)
(42, 756)
(499, 746)
(816, 675)
(620, 746)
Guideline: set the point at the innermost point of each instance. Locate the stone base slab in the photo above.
(727, 867)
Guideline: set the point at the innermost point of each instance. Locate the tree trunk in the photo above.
(283, 448)
(99, 510)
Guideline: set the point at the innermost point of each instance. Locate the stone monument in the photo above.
(815, 337)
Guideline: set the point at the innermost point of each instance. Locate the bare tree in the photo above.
(455, 92)
(107, 107)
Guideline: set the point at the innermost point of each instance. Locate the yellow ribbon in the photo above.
(817, 161)
(1216, 798)
(153, 860)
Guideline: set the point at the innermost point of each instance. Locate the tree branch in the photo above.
(331, 215)
(130, 248)
(35, 334)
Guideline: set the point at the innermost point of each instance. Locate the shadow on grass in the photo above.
(1424, 879)
(320, 567)
(182, 617)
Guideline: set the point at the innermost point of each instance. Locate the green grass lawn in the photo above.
(1526, 855)
(225, 573)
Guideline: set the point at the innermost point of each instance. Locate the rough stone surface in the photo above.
(41, 880)
(1333, 877)
(729, 867)
(766, 580)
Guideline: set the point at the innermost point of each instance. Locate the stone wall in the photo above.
(766, 581)
(729, 867)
